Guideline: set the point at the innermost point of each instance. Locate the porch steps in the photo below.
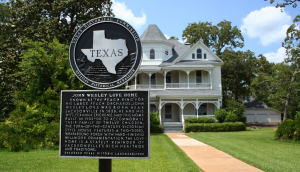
(173, 127)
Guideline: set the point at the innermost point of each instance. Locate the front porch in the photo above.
(177, 110)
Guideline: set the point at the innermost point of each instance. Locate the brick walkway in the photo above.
(208, 158)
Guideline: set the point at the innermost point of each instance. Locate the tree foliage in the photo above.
(215, 37)
(38, 20)
(282, 85)
(173, 38)
(34, 122)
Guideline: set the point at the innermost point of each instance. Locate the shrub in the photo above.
(200, 120)
(220, 115)
(238, 108)
(214, 127)
(289, 129)
(231, 117)
(297, 116)
(154, 118)
(155, 126)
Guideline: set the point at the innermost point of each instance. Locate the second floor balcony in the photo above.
(199, 79)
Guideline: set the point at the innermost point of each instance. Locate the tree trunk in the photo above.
(287, 99)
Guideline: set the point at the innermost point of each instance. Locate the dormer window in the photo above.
(205, 57)
(152, 54)
(199, 53)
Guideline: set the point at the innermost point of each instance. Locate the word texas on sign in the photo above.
(105, 53)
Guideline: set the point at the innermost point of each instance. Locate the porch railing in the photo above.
(173, 86)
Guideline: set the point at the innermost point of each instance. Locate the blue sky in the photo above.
(263, 26)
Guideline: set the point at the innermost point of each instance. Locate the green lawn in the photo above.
(164, 156)
(256, 147)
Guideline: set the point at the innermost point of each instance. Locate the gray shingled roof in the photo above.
(184, 93)
(152, 33)
(178, 51)
(251, 102)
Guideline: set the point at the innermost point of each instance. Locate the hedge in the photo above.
(154, 128)
(200, 120)
(214, 127)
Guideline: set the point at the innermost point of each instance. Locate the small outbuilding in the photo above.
(256, 111)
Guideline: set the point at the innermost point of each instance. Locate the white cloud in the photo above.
(268, 24)
(120, 10)
(276, 57)
(181, 41)
(167, 36)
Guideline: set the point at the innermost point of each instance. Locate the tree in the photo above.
(287, 2)
(38, 20)
(292, 46)
(173, 38)
(238, 72)
(215, 37)
(45, 71)
(273, 88)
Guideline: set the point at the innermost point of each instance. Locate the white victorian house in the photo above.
(183, 81)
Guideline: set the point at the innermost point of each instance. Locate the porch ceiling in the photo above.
(145, 68)
(190, 67)
(185, 93)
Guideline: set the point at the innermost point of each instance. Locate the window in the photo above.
(198, 76)
(168, 77)
(202, 109)
(152, 54)
(193, 56)
(199, 53)
(153, 79)
(168, 111)
(204, 55)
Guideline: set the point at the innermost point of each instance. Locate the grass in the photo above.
(164, 156)
(256, 147)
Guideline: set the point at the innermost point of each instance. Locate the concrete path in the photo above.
(208, 158)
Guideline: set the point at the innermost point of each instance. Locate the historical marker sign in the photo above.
(104, 124)
(105, 53)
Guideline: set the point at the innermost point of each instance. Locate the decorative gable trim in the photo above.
(193, 47)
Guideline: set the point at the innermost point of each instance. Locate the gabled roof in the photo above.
(251, 102)
(153, 33)
(201, 43)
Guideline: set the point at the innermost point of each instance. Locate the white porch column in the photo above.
(135, 78)
(150, 74)
(188, 77)
(210, 79)
(165, 78)
(181, 107)
(159, 106)
(197, 107)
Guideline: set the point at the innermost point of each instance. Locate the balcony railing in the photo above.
(187, 85)
(172, 86)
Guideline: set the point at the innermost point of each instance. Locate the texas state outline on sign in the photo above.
(109, 51)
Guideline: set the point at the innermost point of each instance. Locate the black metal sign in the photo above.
(104, 124)
(105, 53)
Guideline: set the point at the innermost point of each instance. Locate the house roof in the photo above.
(179, 50)
(178, 59)
(251, 102)
(185, 93)
(153, 33)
